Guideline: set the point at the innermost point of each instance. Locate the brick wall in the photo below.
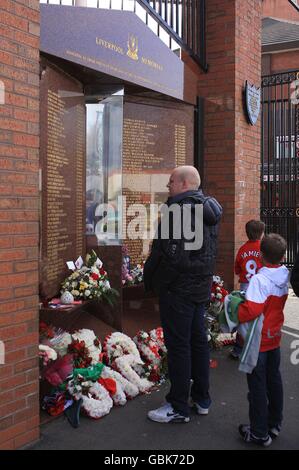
(232, 146)
(248, 138)
(280, 62)
(282, 9)
(19, 161)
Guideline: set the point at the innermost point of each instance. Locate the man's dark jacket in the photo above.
(188, 273)
(295, 277)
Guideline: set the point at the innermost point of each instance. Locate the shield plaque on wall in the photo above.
(253, 102)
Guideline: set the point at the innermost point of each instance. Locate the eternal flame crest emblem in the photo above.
(253, 102)
(132, 47)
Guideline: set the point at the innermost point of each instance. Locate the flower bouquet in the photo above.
(134, 276)
(56, 404)
(218, 294)
(91, 343)
(127, 279)
(90, 282)
(137, 273)
(46, 354)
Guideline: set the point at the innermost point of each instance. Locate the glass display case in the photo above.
(103, 170)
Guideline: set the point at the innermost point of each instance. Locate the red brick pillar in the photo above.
(19, 163)
(232, 146)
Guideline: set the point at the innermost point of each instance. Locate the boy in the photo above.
(248, 262)
(266, 294)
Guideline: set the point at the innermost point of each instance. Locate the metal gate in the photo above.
(280, 158)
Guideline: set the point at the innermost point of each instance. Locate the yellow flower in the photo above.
(83, 285)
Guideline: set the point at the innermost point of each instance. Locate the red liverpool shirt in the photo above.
(267, 293)
(248, 260)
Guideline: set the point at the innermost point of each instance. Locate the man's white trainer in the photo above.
(166, 414)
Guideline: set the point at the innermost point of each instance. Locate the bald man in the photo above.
(182, 277)
(183, 178)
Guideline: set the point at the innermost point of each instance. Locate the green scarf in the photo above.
(90, 373)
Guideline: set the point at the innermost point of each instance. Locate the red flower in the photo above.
(80, 354)
(94, 276)
(103, 272)
(218, 289)
(46, 330)
(154, 377)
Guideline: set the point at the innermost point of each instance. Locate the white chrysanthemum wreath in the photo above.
(96, 400)
(125, 390)
(123, 355)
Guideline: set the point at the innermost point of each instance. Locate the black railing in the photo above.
(295, 4)
(280, 158)
(184, 21)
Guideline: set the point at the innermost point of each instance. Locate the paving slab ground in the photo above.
(127, 428)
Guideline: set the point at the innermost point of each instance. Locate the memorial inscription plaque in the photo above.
(157, 136)
(63, 176)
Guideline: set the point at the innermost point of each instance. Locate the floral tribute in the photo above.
(56, 404)
(118, 344)
(96, 401)
(90, 282)
(124, 388)
(131, 276)
(81, 371)
(153, 352)
(218, 294)
(59, 370)
(80, 354)
(47, 354)
(92, 346)
(126, 277)
(123, 356)
(137, 273)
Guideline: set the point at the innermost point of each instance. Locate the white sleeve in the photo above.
(257, 289)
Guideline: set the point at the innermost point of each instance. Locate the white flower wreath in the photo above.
(117, 344)
(157, 336)
(96, 403)
(124, 388)
(124, 356)
(147, 348)
(130, 390)
(125, 364)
